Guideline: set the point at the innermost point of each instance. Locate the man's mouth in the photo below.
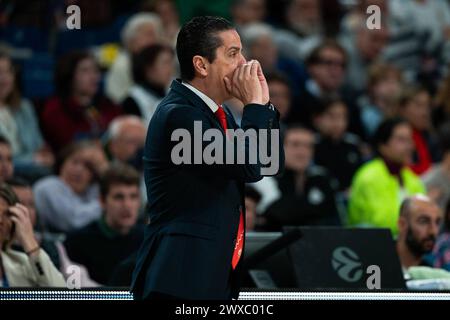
(429, 243)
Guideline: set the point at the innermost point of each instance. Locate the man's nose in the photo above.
(243, 60)
(435, 229)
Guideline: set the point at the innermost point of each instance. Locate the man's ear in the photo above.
(200, 65)
(402, 224)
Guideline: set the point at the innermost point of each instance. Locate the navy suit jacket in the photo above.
(194, 209)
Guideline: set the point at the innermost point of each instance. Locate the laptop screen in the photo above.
(345, 258)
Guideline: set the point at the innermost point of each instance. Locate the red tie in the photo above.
(220, 114)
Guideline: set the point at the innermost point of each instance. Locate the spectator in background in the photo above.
(125, 144)
(140, 31)
(441, 252)
(25, 196)
(383, 90)
(168, 12)
(437, 180)
(19, 124)
(415, 107)
(78, 111)
(336, 150)
(304, 17)
(280, 94)
(125, 141)
(6, 163)
(245, 12)
(70, 200)
(418, 228)
(258, 43)
(304, 194)
(103, 244)
(153, 70)
(380, 185)
(441, 111)
(326, 67)
(302, 28)
(50, 243)
(364, 49)
(31, 268)
(252, 198)
(428, 18)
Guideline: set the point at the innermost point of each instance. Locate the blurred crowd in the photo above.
(365, 123)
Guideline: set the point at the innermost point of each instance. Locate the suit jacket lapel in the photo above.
(197, 102)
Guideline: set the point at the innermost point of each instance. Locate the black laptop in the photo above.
(267, 270)
(345, 258)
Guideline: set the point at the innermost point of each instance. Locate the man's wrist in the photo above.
(30, 244)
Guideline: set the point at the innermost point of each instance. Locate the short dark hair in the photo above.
(295, 126)
(145, 59)
(68, 151)
(65, 71)
(298, 126)
(385, 130)
(118, 174)
(199, 37)
(3, 140)
(326, 105)
(7, 194)
(409, 93)
(315, 56)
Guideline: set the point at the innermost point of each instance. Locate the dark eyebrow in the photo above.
(234, 48)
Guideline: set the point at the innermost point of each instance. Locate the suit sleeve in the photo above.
(45, 272)
(262, 149)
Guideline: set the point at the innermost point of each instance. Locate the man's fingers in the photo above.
(241, 72)
(227, 84)
(24, 209)
(21, 206)
(260, 72)
(254, 69)
(248, 68)
(15, 213)
(235, 77)
(15, 220)
(19, 212)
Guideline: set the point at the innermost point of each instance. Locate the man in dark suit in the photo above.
(194, 243)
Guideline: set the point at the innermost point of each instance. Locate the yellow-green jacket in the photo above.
(376, 195)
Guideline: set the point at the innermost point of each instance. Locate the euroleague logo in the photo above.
(349, 268)
(347, 264)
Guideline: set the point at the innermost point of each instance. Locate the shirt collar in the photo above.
(209, 102)
(106, 229)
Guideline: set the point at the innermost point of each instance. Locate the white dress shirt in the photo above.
(209, 102)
